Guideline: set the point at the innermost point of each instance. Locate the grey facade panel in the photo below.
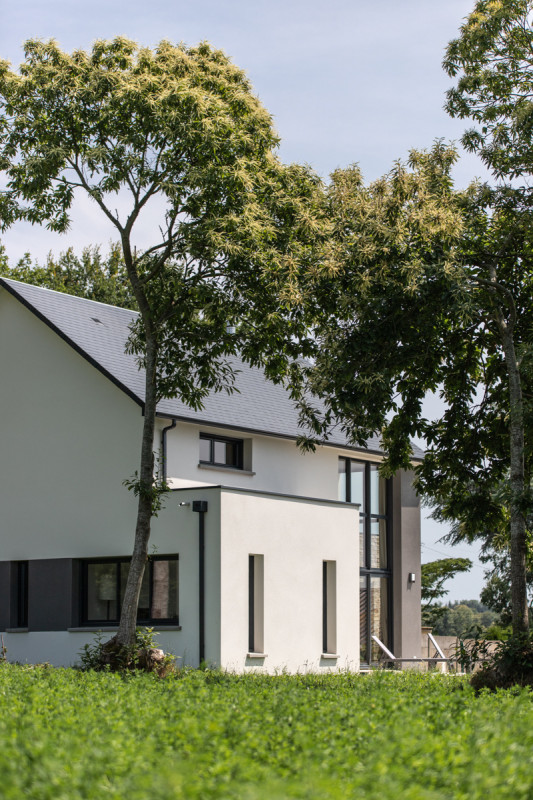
(406, 560)
(50, 594)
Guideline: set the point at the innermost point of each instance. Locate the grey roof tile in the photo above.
(99, 332)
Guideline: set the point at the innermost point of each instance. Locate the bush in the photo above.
(143, 655)
(510, 665)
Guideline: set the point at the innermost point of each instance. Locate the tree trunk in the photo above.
(518, 523)
(128, 615)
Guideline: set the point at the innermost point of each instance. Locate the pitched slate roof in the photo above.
(99, 332)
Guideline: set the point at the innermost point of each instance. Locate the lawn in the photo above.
(67, 735)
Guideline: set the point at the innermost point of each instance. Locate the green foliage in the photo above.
(434, 576)
(493, 60)
(155, 493)
(179, 129)
(465, 620)
(431, 293)
(89, 275)
(137, 656)
(67, 735)
(510, 665)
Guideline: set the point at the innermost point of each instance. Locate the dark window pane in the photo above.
(233, 454)
(143, 610)
(164, 590)
(220, 452)
(362, 543)
(378, 544)
(21, 620)
(378, 492)
(102, 591)
(357, 484)
(363, 618)
(205, 449)
(379, 618)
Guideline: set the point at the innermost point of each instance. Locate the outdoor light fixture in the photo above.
(184, 504)
(412, 577)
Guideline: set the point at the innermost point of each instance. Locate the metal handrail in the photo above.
(391, 657)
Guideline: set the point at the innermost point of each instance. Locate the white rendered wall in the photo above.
(69, 437)
(174, 531)
(295, 537)
(279, 465)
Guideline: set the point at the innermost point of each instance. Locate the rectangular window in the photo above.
(19, 594)
(221, 451)
(256, 642)
(329, 606)
(104, 585)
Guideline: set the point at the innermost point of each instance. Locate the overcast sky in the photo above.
(345, 80)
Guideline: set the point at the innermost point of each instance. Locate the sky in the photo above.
(345, 81)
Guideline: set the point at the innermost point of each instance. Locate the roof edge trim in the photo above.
(225, 426)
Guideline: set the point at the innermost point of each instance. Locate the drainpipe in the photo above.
(164, 449)
(200, 506)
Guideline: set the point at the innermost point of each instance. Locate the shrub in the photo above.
(510, 665)
(143, 655)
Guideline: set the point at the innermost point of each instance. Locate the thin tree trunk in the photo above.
(519, 605)
(128, 616)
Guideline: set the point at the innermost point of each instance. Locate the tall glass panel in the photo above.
(143, 610)
(378, 492)
(205, 450)
(219, 452)
(102, 592)
(379, 618)
(363, 619)
(357, 484)
(378, 544)
(165, 590)
(362, 543)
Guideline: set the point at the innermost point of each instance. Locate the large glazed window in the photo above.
(104, 583)
(360, 482)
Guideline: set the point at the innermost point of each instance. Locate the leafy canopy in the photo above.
(493, 60)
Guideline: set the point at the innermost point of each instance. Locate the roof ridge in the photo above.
(67, 294)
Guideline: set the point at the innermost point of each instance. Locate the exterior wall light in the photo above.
(412, 577)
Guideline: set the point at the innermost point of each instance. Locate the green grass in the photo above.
(66, 735)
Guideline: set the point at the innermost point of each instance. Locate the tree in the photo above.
(432, 293)
(178, 128)
(493, 60)
(434, 576)
(102, 279)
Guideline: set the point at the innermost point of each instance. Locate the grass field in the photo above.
(66, 735)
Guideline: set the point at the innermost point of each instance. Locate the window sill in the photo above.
(222, 468)
(256, 655)
(110, 628)
(17, 630)
(332, 656)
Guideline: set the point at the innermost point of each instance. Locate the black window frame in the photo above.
(366, 571)
(118, 561)
(237, 443)
(19, 594)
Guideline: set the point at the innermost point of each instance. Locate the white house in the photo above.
(263, 557)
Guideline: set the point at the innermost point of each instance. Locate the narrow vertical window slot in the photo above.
(329, 606)
(256, 604)
(19, 594)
